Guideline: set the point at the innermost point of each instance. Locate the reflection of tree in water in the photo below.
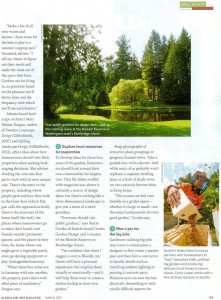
(148, 116)
(97, 112)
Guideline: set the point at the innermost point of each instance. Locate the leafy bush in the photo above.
(127, 92)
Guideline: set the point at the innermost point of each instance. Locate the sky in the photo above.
(136, 19)
(173, 171)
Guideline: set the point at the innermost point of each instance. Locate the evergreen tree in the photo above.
(152, 64)
(124, 66)
(109, 73)
(123, 60)
(177, 70)
(134, 71)
(164, 51)
(183, 56)
(170, 85)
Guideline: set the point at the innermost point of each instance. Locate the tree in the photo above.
(134, 71)
(123, 60)
(183, 56)
(109, 73)
(177, 70)
(70, 54)
(51, 36)
(211, 199)
(152, 64)
(124, 65)
(127, 92)
(95, 83)
(170, 85)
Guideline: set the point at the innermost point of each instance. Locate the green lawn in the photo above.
(168, 128)
(82, 117)
(84, 125)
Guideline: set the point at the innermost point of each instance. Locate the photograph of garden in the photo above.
(89, 94)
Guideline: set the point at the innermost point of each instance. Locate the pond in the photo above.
(140, 115)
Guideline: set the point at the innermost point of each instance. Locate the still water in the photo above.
(139, 116)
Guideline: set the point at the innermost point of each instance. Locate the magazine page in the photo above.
(110, 149)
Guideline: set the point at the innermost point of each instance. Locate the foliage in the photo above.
(101, 98)
(186, 178)
(134, 71)
(109, 73)
(122, 62)
(210, 199)
(76, 75)
(152, 64)
(166, 68)
(211, 194)
(127, 92)
(177, 70)
(124, 66)
(73, 64)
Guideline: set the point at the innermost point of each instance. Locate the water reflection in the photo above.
(140, 116)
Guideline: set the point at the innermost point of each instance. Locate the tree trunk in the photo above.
(49, 67)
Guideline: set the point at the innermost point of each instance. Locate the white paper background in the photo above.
(204, 145)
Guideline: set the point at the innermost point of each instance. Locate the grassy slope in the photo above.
(117, 128)
(168, 128)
